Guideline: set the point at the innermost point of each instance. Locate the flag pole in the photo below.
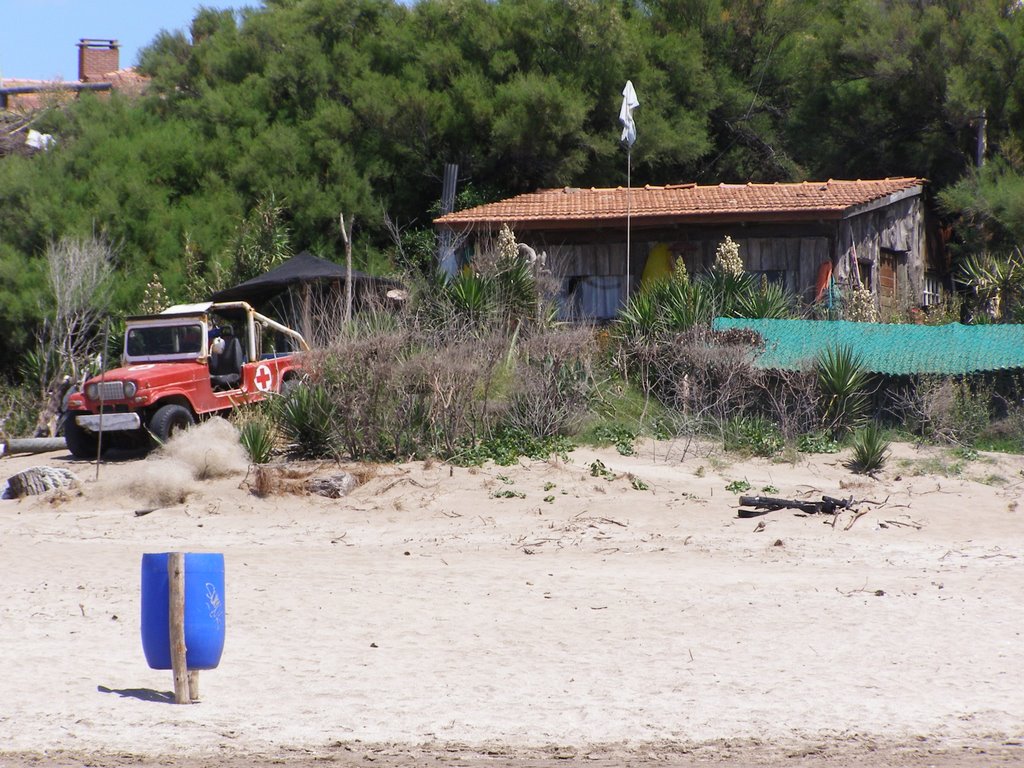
(629, 212)
(629, 103)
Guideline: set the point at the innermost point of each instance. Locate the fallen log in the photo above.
(762, 505)
(31, 445)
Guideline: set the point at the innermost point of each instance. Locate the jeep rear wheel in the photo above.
(80, 442)
(169, 420)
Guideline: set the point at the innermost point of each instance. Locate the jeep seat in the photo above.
(226, 366)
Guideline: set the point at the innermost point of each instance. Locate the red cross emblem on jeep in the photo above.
(264, 378)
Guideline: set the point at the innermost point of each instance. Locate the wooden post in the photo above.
(176, 583)
(348, 264)
(193, 685)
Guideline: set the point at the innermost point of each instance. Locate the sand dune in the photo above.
(532, 615)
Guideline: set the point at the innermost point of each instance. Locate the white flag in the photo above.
(629, 103)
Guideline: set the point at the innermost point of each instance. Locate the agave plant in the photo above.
(844, 381)
(870, 450)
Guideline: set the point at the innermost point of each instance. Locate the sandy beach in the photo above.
(531, 615)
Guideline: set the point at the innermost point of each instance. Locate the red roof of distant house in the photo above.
(569, 206)
(127, 81)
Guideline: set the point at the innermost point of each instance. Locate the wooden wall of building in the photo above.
(795, 249)
(798, 258)
(896, 231)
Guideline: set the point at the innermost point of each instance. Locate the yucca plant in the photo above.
(258, 436)
(728, 291)
(768, 301)
(998, 282)
(667, 306)
(688, 304)
(870, 449)
(641, 316)
(844, 382)
(470, 295)
(307, 418)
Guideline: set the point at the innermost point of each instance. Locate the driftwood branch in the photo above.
(828, 505)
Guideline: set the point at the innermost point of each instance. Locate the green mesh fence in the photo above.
(885, 348)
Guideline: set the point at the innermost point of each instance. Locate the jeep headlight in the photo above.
(130, 387)
(92, 391)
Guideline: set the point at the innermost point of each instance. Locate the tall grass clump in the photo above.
(553, 382)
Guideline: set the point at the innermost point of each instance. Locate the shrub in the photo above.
(553, 383)
(623, 438)
(870, 449)
(949, 410)
(19, 410)
(817, 442)
(755, 435)
(706, 374)
(401, 393)
(505, 446)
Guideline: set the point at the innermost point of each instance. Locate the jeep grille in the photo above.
(111, 390)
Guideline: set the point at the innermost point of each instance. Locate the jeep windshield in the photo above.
(169, 340)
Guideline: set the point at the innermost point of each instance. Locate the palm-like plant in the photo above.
(307, 417)
(870, 450)
(469, 294)
(767, 301)
(998, 282)
(844, 381)
(728, 291)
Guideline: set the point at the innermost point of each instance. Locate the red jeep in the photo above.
(188, 362)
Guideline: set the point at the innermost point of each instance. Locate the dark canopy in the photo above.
(303, 268)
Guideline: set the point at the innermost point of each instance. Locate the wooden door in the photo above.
(887, 289)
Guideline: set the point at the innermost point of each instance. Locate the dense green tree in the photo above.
(354, 106)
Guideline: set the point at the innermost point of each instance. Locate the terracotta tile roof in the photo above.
(686, 202)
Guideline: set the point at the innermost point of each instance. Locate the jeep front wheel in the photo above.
(169, 420)
(81, 443)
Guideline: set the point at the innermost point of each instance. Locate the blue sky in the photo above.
(39, 38)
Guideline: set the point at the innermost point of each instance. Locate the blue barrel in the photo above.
(204, 610)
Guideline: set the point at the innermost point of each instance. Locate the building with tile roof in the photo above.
(863, 233)
(98, 72)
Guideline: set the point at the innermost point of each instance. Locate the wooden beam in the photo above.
(176, 585)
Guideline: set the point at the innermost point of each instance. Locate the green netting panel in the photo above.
(890, 349)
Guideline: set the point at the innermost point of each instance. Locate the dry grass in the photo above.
(207, 451)
(210, 449)
(277, 480)
(364, 473)
(159, 482)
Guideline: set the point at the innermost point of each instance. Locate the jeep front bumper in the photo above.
(111, 422)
